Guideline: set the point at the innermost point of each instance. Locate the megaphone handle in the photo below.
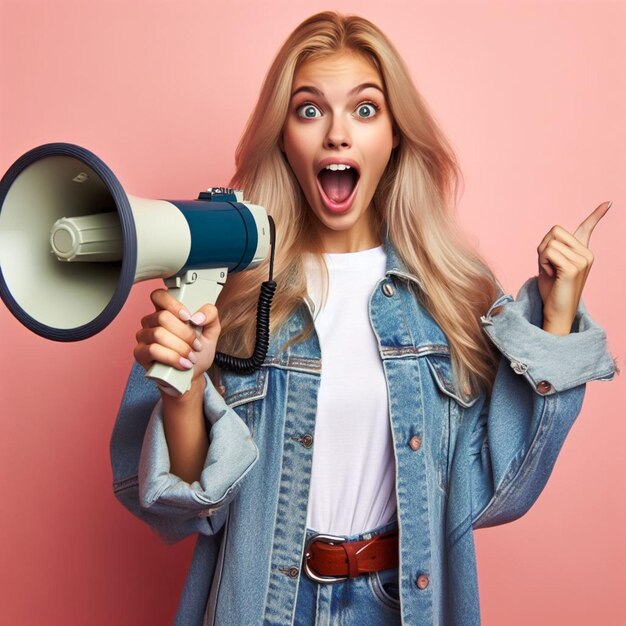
(193, 289)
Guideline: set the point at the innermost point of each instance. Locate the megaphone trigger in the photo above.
(193, 289)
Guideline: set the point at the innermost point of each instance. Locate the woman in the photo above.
(465, 396)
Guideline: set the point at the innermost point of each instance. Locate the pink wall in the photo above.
(533, 97)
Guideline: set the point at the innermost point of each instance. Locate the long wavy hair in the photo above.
(414, 202)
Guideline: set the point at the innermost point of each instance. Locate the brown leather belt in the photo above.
(329, 559)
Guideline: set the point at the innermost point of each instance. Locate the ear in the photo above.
(395, 137)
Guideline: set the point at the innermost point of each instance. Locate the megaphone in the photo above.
(72, 244)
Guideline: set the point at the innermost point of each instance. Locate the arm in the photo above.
(536, 397)
(171, 336)
(185, 429)
(548, 339)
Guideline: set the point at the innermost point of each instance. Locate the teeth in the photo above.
(337, 166)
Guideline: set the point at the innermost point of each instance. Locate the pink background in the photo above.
(532, 94)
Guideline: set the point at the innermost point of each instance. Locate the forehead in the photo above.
(346, 69)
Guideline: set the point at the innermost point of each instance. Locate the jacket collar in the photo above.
(396, 266)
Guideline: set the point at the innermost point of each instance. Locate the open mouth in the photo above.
(337, 183)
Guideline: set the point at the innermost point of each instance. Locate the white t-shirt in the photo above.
(353, 473)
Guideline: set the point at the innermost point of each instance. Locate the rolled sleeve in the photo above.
(230, 456)
(550, 363)
(142, 480)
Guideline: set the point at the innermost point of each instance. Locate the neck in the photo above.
(363, 235)
(338, 245)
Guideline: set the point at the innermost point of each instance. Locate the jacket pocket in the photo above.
(453, 404)
(241, 391)
(441, 367)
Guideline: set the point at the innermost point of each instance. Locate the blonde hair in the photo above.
(413, 202)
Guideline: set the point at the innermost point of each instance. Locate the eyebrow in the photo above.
(316, 92)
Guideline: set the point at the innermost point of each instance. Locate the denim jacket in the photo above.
(462, 462)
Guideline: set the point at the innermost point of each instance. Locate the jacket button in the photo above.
(414, 443)
(388, 289)
(519, 368)
(293, 572)
(307, 441)
(422, 581)
(544, 387)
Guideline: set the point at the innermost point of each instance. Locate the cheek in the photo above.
(297, 157)
(380, 148)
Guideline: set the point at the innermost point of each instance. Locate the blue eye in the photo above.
(367, 109)
(308, 111)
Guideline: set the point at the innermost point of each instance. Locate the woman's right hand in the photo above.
(166, 337)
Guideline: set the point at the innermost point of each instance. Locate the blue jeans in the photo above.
(368, 600)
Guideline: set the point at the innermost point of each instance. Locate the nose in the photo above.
(338, 135)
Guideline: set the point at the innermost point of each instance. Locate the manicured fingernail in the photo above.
(197, 345)
(186, 363)
(198, 318)
(184, 315)
(192, 357)
(610, 205)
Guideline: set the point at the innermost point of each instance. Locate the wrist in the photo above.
(558, 327)
(194, 395)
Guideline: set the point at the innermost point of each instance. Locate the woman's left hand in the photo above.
(564, 264)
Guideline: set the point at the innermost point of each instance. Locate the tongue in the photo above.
(337, 185)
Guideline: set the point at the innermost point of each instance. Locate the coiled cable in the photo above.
(240, 365)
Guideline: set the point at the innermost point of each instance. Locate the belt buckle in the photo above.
(330, 539)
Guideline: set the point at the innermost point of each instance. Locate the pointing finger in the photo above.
(583, 232)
